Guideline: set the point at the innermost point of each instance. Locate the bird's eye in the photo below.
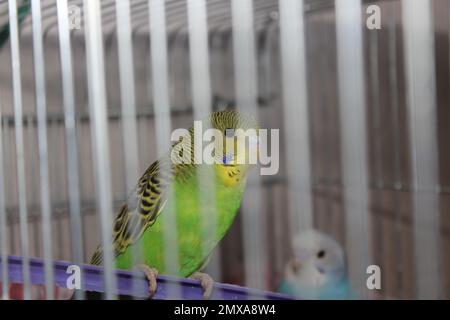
(229, 132)
(321, 254)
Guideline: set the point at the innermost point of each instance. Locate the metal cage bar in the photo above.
(421, 101)
(201, 100)
(41, 104)
(68, 92)
(18, 115)
(245, 81)
(128, 99)
(394, 87)
(163, 126)
(352, 108)
(296, 115)
(3, 218)
(99, 125)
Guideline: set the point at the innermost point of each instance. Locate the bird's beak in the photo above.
(295, 264)
(321, 270)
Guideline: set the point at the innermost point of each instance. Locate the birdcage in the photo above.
(354, 96)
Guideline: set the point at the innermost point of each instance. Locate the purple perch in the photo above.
(93, 280)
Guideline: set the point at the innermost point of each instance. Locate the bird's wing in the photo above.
(141, 209)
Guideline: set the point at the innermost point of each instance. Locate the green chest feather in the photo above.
(197, 232)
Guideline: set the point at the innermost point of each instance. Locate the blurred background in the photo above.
(363, 117)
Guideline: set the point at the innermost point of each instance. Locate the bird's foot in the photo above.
(206, 283)
(150, 274)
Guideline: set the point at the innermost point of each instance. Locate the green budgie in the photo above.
(138, 221)
(22, 12)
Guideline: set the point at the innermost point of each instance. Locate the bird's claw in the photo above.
(206, 283)
(150, 274)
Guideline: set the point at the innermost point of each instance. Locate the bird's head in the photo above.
(229, 140)
(236, 150)
(317, 259)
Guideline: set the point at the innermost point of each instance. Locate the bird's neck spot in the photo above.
(230, 175)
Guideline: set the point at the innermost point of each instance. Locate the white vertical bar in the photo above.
(18, 118)
(421, 99)
(127, 92)
(201, 96)
(199, 58)
(161, 102)
(246, 87)
(377, 140)
(296, 118)
(41, 104)
(393, 83)
(99, 125)
(65, 49)
(128, 101)
(352, 108)
(3, 219)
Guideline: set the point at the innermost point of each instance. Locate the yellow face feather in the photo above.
(231, 175)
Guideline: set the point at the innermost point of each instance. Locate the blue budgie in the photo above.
(317, 269)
